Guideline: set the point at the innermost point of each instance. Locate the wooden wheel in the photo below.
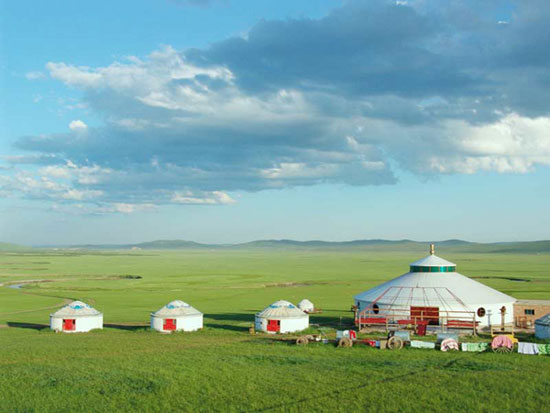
(395, 343)
(502, 349)
(345, 342)
(302, 341)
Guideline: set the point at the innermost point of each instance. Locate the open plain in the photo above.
(127, 367)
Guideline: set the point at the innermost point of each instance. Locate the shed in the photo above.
(176, 316)
(76, 317)
(542, 327)
(281, 317)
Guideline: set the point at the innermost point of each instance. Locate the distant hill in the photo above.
(532, 247)
(172, 245)
(453, 245)
(8, 247)
(285, 244)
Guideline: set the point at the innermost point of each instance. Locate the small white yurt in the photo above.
(542, 327)
(306, 306)
(76, 317)
(176, 316)
(281, 317)
(433, 290)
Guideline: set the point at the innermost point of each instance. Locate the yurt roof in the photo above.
(76, 309)
(544, 320)
(281, 309)
(432, 261)
(440, 285)
(176, 308)
(305, 302)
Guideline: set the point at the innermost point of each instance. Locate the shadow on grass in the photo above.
(231, 317)
(129, 327)
(32, 326)
(230, 327)
(327, 321)
(315, 319)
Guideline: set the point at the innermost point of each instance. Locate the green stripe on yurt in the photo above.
(417, 268)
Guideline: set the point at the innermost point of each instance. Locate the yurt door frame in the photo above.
(425, 313)
(69, 324)
(169, 324)
(274, 325)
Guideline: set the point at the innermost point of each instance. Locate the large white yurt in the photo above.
(306, 306)
(281, 317)
(176, 316)
(432, 290)
(542, 327)
(76, 317)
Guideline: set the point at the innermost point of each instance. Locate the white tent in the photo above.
(432, 290)
(542, 327)
(76, 317)
(176, 316)
(306, 306)
(281, 317)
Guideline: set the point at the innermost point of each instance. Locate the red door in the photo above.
(274, 325)
(430, 314)
(69, 324)
(169, 324)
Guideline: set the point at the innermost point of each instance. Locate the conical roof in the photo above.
(281, 309)
(305, 303)
(544, 320)
(76, 309)
(432, 261)
(434, 281)
(176, 308)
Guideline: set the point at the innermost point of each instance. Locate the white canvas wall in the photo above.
(260, 324)
(294, 324)
(288, 325)
(82, 324)
(187, 323)
(491, 318)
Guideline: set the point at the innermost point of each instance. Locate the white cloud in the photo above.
(56, 171)
(74, 76)
(166, 63)
(291, 170)
(207, 198)
(77, 125)
(513, 144)
(126, 208)
(79, 195)
(85, 175)
(242, 116)
(35, 75)
(100, 209)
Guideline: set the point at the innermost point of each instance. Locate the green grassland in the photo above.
(126, 367)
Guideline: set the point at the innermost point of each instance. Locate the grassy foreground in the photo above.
(126, 367)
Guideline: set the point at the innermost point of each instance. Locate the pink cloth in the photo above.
(502, 341)
(449, 344)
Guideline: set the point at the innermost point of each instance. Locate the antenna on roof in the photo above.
(432, 249)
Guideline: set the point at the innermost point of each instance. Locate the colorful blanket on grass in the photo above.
(502, 341)
(422, 344)
(475, 347)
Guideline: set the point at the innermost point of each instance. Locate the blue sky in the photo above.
(226, 121)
